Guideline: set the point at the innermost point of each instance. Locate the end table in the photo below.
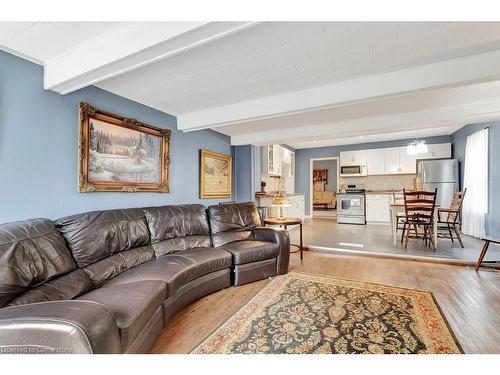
(284, 222)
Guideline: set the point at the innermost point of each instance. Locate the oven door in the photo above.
(351, 205)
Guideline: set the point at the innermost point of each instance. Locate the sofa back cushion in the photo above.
(177, 228)
(106, 243)
(32, 253)
(233, 222)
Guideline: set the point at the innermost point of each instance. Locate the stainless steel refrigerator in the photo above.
(441, 174)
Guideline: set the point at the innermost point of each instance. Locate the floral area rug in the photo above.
(304, 313)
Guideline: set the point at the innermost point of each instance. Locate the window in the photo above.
(475, 206)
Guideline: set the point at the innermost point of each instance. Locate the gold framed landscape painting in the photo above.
(215, 175)
(121, 154)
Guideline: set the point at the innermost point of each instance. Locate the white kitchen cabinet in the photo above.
(377, 208)
(407, 162)
(391, 160)
(272, 156)
(375, 161)
(286, 155)
(297, 206)
(353, 158)
(440, 151)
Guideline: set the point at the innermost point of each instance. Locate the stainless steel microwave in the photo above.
(353, 170)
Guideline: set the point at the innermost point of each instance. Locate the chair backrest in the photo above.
(456, 206)
(420, 205)
(395, 196)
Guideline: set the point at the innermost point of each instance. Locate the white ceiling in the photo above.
(278, 57)
(229, 76)
(42, 41)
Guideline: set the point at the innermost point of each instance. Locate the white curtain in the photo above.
(475, 205)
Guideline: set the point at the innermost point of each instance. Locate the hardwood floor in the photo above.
(377, 239)
(470, 301)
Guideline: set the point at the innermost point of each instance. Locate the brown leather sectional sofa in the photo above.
(109, 281)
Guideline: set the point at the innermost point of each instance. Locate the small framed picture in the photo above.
(215, 175)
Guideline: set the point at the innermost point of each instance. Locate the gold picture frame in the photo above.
(116, 153)
(216, 175)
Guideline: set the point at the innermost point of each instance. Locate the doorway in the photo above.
(324, 180)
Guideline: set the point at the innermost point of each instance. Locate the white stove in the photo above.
(351, 205)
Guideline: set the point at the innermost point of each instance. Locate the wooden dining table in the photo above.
(398, 206)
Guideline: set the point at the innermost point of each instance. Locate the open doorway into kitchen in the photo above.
(324, 179)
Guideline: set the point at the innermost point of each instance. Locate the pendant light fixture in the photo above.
(417, 147)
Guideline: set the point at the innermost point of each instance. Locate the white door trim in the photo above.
(311, 162)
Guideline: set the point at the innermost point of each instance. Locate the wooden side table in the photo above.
(487, 241)
(284, 223)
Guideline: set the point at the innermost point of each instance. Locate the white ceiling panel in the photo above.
(295, 32)
(288, 55)
(43, 41)
(260, 38)
(10, 30)
(261, 60)
(329, 43)
(254, 64)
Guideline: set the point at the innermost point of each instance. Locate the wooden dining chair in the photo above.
(449, 219)
(400, 216)
(419, 212)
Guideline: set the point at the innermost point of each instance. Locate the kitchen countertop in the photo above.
(273, 195)
(383, 192)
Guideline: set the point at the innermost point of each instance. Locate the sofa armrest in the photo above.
(281, 237)
(58, 327)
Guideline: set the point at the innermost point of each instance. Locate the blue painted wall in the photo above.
(38, 148)
(243, 173)
(459, 139)
(303, 157)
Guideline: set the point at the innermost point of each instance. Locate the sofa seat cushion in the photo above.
(178, 268)
(251, 251)
(132, 304)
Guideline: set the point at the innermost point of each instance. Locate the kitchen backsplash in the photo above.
(272, 183)
(385, 182)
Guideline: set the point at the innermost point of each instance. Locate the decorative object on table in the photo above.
(285, 222)
(416, 183)
(215, 175)
(417, 147)
(121, 154)
(302, 313)
(262, 192)
(320, 175)
(281, 202)
(449, 219)
(419, 213)
(487, 241)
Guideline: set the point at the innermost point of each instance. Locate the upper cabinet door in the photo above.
(278, 159)
(360, 157)
(271, 161)
(347, 158)
(286, 155)
(391, 160)
(375, 161)
(292, 164)
(353, 158)
(440, 150)
(407, 162)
